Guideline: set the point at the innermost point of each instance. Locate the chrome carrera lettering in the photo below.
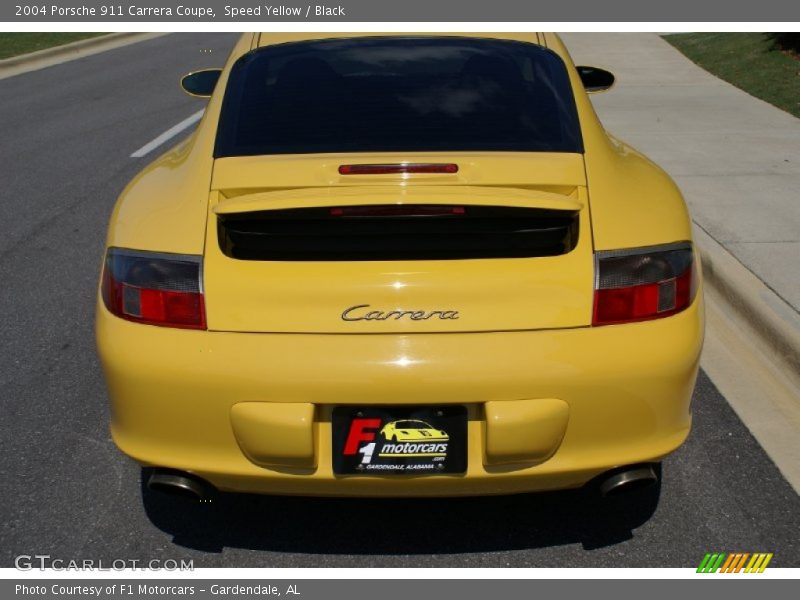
(352, 314)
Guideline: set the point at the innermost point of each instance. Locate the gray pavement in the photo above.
(736, 158)
(67, 492)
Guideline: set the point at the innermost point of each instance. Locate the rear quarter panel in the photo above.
(633, 202)
(164, 207)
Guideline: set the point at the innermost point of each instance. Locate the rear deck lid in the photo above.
(393, 253)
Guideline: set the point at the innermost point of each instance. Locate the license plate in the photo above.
(399, 440)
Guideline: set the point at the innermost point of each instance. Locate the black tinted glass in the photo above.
(398, 94)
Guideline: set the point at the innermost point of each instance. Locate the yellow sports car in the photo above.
(413, 430)
(373, 228)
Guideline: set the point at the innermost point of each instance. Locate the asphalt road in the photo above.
(67, 135)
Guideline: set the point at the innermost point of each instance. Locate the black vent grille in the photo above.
(397, 232)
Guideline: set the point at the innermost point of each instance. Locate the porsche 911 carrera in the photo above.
(373, 228)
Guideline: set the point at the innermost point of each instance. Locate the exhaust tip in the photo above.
(177, 483)
(628, 480)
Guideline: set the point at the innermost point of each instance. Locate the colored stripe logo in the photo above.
(740, 562)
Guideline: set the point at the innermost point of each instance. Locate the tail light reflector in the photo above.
(643, 283)
(154, 288)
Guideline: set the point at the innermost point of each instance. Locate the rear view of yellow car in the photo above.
(400, 265)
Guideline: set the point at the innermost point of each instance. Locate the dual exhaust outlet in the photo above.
(627, 480)
(178, 483)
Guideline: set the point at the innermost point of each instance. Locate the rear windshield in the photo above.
(398, 95)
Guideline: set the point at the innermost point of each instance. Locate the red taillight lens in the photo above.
(642, 284)
(154, 288)
(391, 169)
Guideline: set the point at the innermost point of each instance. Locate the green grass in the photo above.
(749, 61)
(14, 44)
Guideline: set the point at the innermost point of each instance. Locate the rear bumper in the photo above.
(627, 388)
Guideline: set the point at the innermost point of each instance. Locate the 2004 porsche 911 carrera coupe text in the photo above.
(392, 265)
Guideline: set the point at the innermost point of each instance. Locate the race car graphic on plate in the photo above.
(410, 430)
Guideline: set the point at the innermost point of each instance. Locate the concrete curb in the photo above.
(763, 312)
(41, 59)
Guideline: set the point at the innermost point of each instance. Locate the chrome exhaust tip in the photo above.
(177, 483)
(628, 480)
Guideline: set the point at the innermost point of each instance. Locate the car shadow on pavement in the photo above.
(377, 526)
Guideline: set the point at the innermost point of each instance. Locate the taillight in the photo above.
(154, 288)
(643, 283)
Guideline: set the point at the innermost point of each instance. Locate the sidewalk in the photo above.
(736, 158)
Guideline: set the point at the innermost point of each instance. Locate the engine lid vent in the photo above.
(397, 232)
